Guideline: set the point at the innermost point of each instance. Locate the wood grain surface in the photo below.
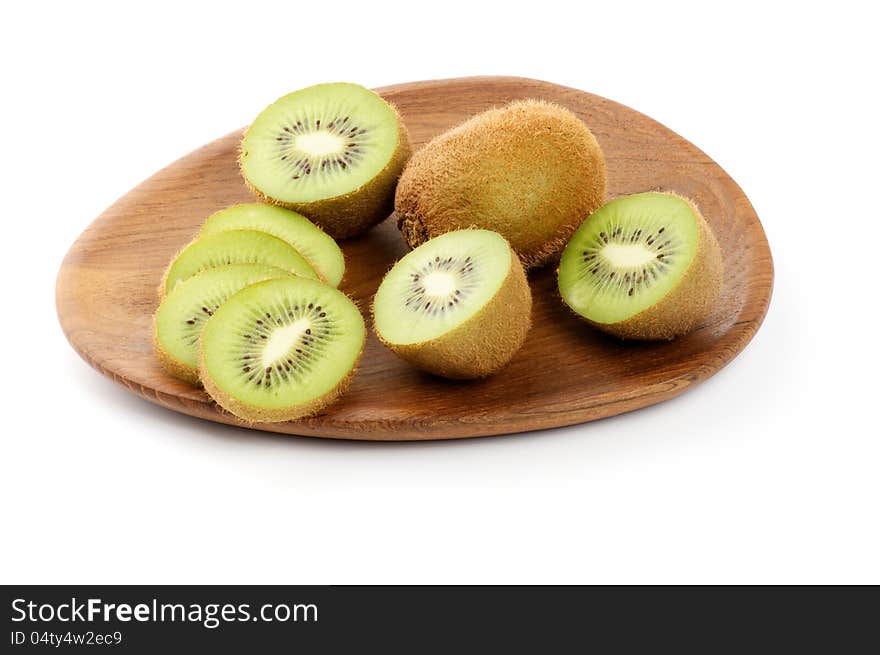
(566, 373)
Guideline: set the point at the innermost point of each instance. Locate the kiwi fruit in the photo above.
(332, 152)
(234, 247)
(531, 171)
(319, 249)
(182, 314)
(281, 349)
(458, 306)
(645, 266)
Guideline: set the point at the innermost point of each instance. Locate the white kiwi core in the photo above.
(627, 255)
(320, 143)
(282, 340)
(440, 284)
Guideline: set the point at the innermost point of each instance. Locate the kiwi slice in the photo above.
(645, 266)
(182, 314)
(309, 240)
(281, 349)
(332, 152)
(234, 247)
(457, 306)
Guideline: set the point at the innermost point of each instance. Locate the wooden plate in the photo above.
(566, 373)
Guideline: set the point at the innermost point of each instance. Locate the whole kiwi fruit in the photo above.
(531, 171)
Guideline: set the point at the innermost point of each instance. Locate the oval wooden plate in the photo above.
(566, 373)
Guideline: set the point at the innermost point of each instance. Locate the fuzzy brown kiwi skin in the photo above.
(444, 185)
(354, 213)
(162, 290)
(252, 414)
(689, 304)
(171, 364)
(483, 344)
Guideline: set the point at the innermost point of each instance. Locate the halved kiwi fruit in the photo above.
(645, 266)
(234, 247)
(457, 306)
(281, 349)
(309, 240)
(332, 152)
(183, 312)
(531, 171)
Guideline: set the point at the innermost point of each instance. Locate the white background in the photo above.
(768, 472)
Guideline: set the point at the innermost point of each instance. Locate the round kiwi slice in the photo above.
(331, 151)
(645, 266)
(281, 349)
(457, 306)
(182, 314)
(309, 240)
(234, 247)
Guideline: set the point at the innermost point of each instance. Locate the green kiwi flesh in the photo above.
(183, 312)
(319, 249)
(280, 349)
(645, 266)
(234, 247)
(332, 152)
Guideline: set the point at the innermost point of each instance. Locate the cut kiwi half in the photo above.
(180, 317)
(234, 247)
(281, 349)
(332, 152)
(307, 238)
(645, 266)
(458, 306)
